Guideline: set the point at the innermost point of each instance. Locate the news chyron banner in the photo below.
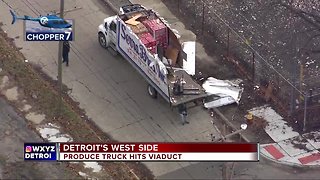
(35, 31)
(141, 151)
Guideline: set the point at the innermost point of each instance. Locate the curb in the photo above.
(288, 164)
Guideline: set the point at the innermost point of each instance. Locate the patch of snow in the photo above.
(277, 128)
(292, 150)
(48, 132)
(93, 165)
(52, 133)
(280, 131)
(60, 138)
(83, 174)
(267, 113)
(313, 138)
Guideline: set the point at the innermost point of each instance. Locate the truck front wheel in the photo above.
(102, 40)
(152, 91)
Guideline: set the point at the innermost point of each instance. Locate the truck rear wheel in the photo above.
(102, 40)
(152, 91)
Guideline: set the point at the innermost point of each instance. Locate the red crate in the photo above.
(162, 40)
(153, 49)
(156, 28)
(147, 40)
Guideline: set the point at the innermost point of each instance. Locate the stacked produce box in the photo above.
(148, 41)
(158, 30)
(138, 29)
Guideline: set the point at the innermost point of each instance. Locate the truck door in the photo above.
(113, 33)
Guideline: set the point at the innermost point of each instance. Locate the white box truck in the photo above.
(167, 70)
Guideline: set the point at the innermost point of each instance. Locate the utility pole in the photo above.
(223, 138)
(305, 112)
(60, 62)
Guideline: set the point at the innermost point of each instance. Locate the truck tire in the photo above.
(152, 92)
(102, 40)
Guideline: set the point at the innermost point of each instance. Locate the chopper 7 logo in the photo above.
(44, 20)
(47, 28)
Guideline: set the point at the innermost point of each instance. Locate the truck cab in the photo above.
(108, 33)
(108, 30)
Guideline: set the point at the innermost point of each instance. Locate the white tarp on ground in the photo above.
(226, 92)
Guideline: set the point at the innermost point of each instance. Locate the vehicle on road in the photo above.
(148, 43)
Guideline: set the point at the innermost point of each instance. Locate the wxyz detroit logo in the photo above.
(135, 57)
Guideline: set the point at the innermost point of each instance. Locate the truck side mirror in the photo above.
(106, 25)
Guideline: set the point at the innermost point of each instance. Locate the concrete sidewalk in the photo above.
(289, 147)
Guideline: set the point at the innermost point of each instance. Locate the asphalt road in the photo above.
(14, 132)
(112, 93)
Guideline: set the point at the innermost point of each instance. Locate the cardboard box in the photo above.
(138, 29)
(172, 53)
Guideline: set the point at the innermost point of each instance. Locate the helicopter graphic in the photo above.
(50, 21)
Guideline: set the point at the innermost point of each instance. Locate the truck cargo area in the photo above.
(162, 42)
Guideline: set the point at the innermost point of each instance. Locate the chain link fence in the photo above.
(275, 64)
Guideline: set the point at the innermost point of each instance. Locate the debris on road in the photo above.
(223, 92)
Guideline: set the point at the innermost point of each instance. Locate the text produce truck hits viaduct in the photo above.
(152, 48)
